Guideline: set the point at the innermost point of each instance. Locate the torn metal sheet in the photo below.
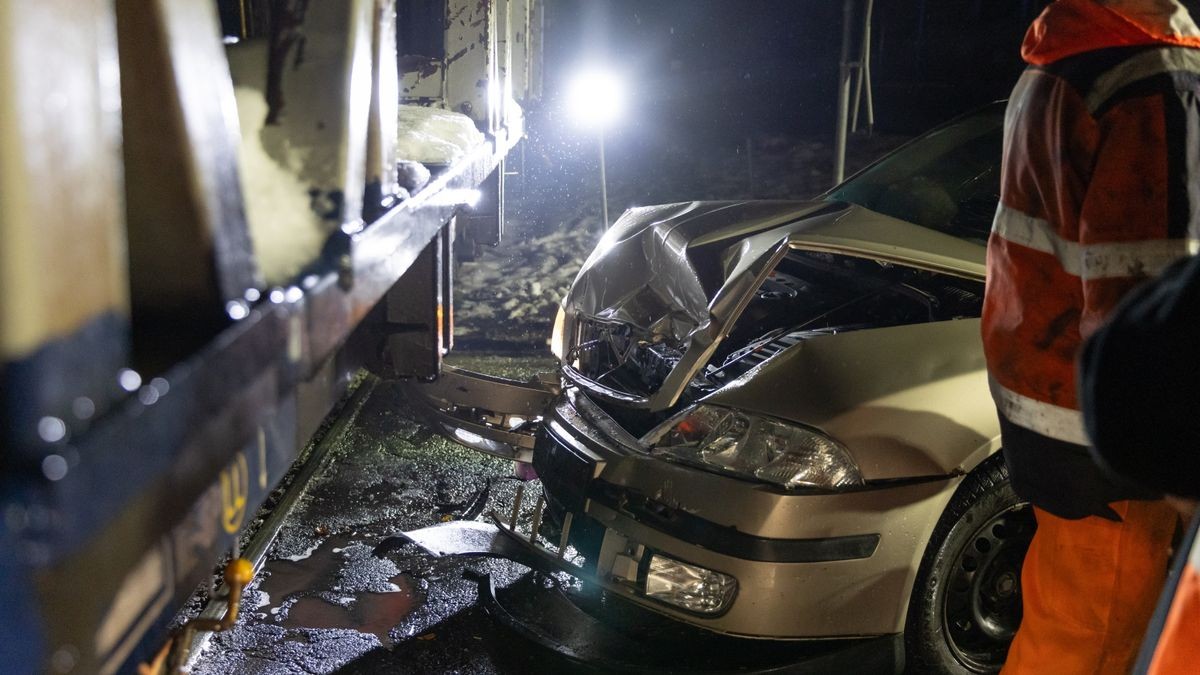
(680, 274)
(472, 538)
(491, 414)
(456, 538)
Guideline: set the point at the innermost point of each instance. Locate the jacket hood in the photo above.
(1070, 27)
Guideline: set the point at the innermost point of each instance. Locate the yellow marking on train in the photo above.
(262, 458)
(235, 488)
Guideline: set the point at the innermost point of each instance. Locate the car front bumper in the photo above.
(807, 566)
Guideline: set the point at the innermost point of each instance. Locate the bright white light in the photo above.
(237, 310)
(596, 98)
(129, 380)
(455, 197)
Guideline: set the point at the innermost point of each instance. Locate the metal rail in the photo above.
(258, 544)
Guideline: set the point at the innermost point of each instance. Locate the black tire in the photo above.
(966, 603)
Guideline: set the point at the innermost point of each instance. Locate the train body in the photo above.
(212, 215)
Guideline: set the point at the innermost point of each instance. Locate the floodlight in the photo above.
(596, 98)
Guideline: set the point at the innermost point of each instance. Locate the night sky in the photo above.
(772, 64)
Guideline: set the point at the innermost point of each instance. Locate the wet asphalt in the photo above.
(324, 604)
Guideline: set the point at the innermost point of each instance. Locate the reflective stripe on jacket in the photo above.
(1100, 189)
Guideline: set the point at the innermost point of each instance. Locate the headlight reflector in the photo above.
(691, 587)
(760, 447)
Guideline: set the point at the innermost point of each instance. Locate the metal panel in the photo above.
(382, 185)
(63, 285)
(189, 247)
(519, 68)
(147, 562)
(483, 224)
(320, 104)
(422, 34)
(423, 81)
(449, 234)
(505, 107)
(490, 57)
(472, 68)
(59, 173)
(414, 315)
(533, 50)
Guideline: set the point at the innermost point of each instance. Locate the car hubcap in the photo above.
(982, 600)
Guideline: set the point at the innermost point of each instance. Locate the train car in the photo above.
(214, 215)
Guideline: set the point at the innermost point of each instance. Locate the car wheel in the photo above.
(966, 603)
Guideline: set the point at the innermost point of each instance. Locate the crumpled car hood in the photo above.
(684, 272)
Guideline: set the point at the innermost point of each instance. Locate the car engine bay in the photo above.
(807, 295)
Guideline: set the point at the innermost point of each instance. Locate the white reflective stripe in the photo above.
(1194, 558)
(1037, 234)
(1132, 258)
(1140, 67)
(1047, 419)
(1144, 258)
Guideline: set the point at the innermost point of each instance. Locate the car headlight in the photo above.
(757, 447)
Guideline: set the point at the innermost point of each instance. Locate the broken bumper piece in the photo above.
(493, 415)
(587, 633)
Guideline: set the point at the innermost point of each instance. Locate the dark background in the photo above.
(772, 64)
(735, 99)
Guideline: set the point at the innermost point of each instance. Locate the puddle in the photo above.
(373, 613)
(339, 585)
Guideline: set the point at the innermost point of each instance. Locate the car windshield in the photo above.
(947, 180)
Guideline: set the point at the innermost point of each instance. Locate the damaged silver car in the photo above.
(772, 419)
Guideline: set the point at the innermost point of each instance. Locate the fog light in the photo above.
(688, 586)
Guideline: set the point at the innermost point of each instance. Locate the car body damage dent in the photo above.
(660, 268)
(854, 387)
(680, 275)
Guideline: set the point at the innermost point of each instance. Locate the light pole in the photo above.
(596, 100)
(603, 181)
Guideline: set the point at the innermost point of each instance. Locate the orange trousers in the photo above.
(1089, 588)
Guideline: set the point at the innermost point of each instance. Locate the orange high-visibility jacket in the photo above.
(1100, 189)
